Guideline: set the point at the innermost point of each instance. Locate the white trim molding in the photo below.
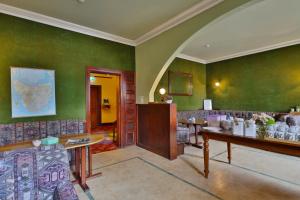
(33, 16)
(240, 54)
(258, 50)
(191, 58)
(178, 19)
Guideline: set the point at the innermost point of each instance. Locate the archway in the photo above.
(154, 56)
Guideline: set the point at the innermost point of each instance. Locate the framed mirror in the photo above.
(180, 83)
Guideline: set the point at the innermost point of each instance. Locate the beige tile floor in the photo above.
(133, 173)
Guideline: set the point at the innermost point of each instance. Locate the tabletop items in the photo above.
(238, 126)
(36, 143)
(45, 141)
(262, 126)
(78, 141)
(257, 125)
(50, 140)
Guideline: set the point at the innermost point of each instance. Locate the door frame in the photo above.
(99, 98)
(120, 100)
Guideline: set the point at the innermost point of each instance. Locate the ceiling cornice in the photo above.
(33, 16)
(178, 19)
(258, 50)
(240, 54)
(191, 58)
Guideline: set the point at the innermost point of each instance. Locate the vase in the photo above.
(169, 101)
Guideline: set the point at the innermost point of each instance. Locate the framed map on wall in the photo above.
(32, 92)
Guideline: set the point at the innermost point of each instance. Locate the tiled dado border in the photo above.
(202, 114)
(25, 131)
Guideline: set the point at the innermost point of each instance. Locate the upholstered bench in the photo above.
(36, 173)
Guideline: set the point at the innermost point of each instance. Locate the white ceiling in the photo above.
(126, 18)
(257, 27)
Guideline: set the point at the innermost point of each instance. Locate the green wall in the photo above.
(199, 84)
(154, 56)
(268, 81)
(28, 44)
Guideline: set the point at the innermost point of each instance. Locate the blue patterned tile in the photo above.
(7, 134)
(82, 126)
(43, 129)
(72, 127)
(63, 127)
(19, 132)
(53, 128)
(31, 131)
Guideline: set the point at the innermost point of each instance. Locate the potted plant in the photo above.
(169, 99)
(263, 121)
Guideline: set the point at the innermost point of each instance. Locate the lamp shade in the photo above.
(162, 91)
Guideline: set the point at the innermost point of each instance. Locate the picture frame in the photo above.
(180, 83)
(207, 104)
(32, 92)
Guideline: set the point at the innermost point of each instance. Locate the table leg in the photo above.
(229, 152)
(90, 161)
(77, 163)
(90, 165)
(196, 134)
(82, 182)
(188, 126)
(196, 144)
(206, 156)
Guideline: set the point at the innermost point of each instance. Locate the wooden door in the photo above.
(129, 109)
(95, 105)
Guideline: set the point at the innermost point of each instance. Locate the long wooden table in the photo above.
(281, 146)
(80, 154)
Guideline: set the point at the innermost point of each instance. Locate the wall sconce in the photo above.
(162, 91)
(217, 84)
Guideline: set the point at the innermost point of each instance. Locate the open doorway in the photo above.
(104, 104)
(125, 125)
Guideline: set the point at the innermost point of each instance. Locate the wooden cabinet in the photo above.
(157, 129)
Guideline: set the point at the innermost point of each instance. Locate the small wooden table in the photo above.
(286, 147)
(80, 154)
(198, 122)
